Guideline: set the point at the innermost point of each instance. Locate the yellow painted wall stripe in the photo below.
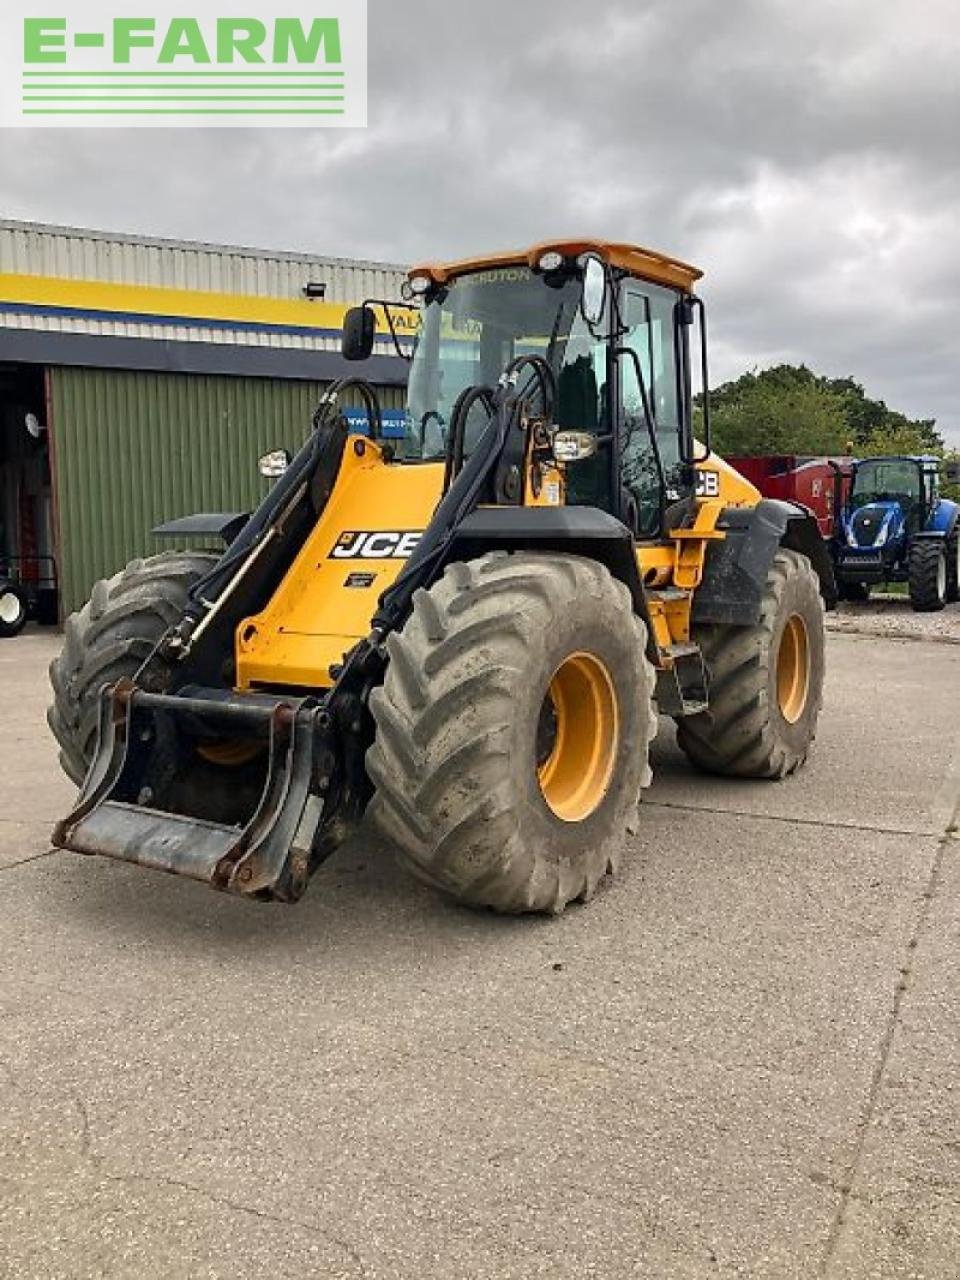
(164, 303)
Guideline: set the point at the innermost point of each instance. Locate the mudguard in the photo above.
(585, 531)
(943, 519)
(207, 524)
(735, 573)
(582, 531)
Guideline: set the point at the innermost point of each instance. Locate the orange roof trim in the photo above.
(646, 264)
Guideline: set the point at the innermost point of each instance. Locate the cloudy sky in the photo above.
(805, 155)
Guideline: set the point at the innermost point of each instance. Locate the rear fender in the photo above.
(944, 519)
(735, 573)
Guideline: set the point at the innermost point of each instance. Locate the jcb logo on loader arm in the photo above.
(378, 545)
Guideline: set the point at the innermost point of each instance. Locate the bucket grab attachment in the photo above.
(221, 787)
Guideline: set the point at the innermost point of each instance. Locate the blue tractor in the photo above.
(895, 527)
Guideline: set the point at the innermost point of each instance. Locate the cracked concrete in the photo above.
(740, 1060)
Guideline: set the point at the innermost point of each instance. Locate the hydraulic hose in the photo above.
(468, 484)
(458, 428)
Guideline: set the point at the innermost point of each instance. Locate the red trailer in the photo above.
(820, 484)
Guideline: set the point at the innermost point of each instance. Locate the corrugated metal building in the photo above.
(141, 379)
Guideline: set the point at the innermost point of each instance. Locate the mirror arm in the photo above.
(391, 323)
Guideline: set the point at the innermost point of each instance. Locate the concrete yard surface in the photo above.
(742, 1059)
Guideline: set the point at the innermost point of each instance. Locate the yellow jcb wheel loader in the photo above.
(466, 633)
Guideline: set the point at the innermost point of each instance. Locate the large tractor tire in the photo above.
(110, 638)
(953, 564)
(928, 575)
(765, 681)
(513, 728)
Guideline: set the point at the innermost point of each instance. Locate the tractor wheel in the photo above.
(110, 638)
(13, 610)
(953, 564)
(765, 681)
(854, 591)
(512, 731)
(928, 575)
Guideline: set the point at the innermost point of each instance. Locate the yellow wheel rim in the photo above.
(793, 669)
(576, 773)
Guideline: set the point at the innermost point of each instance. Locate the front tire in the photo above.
(765, 681)
(109, 639)
(512, 731)
(928, 575)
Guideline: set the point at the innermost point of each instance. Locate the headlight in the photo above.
(574, 446)
(273, 465)
(417, 286)
(551, 261)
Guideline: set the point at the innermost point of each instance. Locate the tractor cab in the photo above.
(890, 500)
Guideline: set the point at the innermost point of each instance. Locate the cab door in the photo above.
(653, 474)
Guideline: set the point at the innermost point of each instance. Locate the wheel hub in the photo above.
(11, 608)
(793, 669)
(577, 737)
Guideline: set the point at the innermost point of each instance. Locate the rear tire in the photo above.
(469, 744)
(13, 610)
(110, 638)
(765, 681)
(928, 575)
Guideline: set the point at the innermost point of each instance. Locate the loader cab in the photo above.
(621, 359)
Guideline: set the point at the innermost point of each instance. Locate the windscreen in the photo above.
(893, 480)
(471, 331)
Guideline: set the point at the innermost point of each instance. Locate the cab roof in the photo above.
(646, 264)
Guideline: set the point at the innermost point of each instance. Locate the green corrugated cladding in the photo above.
(133, 449)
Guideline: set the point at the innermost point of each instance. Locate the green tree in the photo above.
(781, 410)
(791, 409)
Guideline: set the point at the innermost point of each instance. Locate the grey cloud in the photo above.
(804, 156)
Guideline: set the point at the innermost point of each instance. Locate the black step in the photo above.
(676, 651)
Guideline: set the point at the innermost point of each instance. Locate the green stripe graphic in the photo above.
(179, 97)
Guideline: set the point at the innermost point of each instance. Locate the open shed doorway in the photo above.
(27, 530)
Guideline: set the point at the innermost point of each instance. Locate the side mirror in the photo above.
(593, 301)
(273, 465)
(359, 331)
